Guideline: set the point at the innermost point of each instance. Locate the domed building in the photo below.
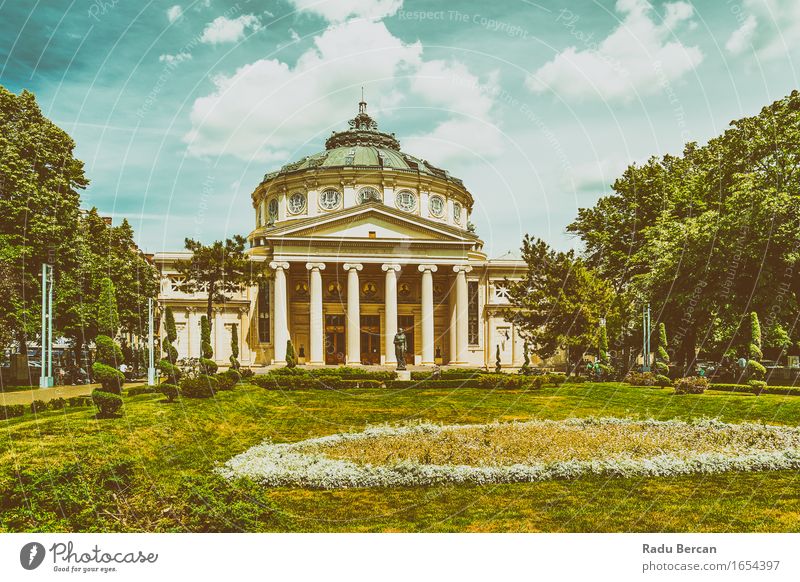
(361, 240)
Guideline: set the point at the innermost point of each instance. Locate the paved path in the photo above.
(28, 396)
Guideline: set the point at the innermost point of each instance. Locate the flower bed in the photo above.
(426, 454)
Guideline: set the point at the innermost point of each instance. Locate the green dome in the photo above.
(363, 146)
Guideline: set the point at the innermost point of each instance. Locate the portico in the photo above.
(368, 312)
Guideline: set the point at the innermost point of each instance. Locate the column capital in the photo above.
(218, 309)
(191, 309)
(462, 268)
(356, 266)
(315, 266)
(243, 310)
(431, 268)
(276, 265)
(390, 267)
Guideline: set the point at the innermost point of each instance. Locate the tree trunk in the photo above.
(210, 303)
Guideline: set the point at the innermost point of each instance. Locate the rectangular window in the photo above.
(263, 312)
(472, 312)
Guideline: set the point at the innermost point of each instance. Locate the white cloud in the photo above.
(268, 108)
(742, 37)
(174, 59)
(222, 29)
(341, 10)
(174, 13)
(638, 57)
(471, 131)
(771, 27)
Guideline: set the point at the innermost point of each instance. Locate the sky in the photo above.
(179, 108)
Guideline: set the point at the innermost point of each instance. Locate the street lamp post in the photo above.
(646, 338)
(151, 369)
(46, 377)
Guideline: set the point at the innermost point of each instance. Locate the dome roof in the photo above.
(363, 146)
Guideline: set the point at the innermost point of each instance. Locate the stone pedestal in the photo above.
(404, 374)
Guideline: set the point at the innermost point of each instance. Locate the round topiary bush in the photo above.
(208, 366)
(107, 351)
(107, 404)
(757, 385)
(111, 378)
(57, 403)
(38, 406)
(168, 390)
(228, 379)
(171, 371)
(691, 385)
(203, 386)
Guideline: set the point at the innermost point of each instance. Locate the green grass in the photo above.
(151, 470)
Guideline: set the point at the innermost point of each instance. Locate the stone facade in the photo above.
(358, 241)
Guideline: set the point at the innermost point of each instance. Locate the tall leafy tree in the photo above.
(39, 204)
(560, 301)
(709, 236)
(217, 270)
(107, 316)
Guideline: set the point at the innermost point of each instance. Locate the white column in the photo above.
(462, 312)
(317, 339)
(281, 316)
(427, 313)
(353, 314)
(244, 334)
(218, 325)
(390, 311)
(191, 325)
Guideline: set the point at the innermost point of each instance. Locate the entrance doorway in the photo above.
(334, 340)
(406, 322)
(370, 339)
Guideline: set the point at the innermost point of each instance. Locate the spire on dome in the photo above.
(363, 131)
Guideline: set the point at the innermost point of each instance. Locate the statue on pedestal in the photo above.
(400, 349)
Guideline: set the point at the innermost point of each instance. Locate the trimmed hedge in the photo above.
(57, 404)
(137, 390)
(301, 382)
(691, 385)
(107, 403)
(38, 406)
(342, 372)
(12, 410)
(76, 401)
(200, 387)
(746, 388)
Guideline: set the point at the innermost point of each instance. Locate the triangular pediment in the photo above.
(370, 221)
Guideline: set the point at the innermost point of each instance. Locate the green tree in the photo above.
(710, 235)
(39, 205)
(755, 368)
(559, 302)
(218, 269)
(107, 316)
(168, 344)
(235, 347)
(205, 338)
(291, 360)
(662, 356)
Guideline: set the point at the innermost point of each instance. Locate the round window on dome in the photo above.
(457, 213)
(329, 199)
(368, 194)
(297, 203)
(272, 210)
(436, 206)
(406, 200)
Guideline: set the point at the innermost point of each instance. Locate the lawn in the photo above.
(152, 469)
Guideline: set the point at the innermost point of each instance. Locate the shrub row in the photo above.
(777, 390)
(299, 382)
(137, 390)
(15, 410)
(202, 386)
(691, 385)
(647, 379)
(12, 410)
(342, 371)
